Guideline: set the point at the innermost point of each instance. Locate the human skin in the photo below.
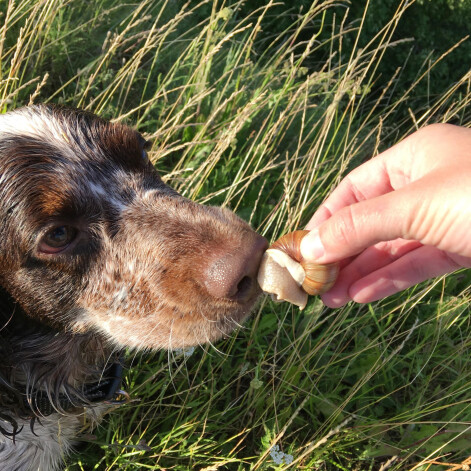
(401, 218)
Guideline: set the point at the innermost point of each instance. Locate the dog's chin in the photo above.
(158, 330)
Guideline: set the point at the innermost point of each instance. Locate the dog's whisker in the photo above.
(238, 325)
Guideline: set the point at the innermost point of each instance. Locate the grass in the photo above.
(266, 124)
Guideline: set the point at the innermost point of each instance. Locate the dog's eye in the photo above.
(146, 145)
(57, 239)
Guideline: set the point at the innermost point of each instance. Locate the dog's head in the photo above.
(91, 239)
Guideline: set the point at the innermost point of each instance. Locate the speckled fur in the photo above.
(132, 278)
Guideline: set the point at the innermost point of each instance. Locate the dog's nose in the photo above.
(234, 275)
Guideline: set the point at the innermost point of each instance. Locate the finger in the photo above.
(382, 174)
(416, 266)
(322, 214)
(365, 182)
(378, 256)
(409, 160)
(358, 226)
(372, 259)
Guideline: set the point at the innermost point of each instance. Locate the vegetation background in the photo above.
(263, 106)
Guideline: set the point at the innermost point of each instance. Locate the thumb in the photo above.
(353, 228)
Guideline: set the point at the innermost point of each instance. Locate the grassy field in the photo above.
(266, 123)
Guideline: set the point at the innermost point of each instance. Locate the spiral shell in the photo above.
(288, 277)
(319, 278)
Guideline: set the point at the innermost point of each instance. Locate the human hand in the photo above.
(401, 218)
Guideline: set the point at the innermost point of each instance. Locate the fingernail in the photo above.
(311, 246)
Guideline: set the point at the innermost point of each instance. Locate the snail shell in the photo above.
(288, 277)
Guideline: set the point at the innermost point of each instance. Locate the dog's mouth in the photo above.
(162, 328)
(183, 308)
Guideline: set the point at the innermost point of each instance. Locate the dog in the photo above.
(97, 254)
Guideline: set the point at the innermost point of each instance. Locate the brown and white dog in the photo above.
(97, 254)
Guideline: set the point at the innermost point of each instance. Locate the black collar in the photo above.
(104, 390)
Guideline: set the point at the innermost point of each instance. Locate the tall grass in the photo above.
(266, 125)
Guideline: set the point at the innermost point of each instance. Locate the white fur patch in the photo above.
(121, 295)
(147, 194)
(27, 123)
(98, 190)
(51, 442)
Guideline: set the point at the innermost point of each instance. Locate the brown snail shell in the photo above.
(288, 277)
(319, 278)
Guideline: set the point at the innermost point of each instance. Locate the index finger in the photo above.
(382, 174)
